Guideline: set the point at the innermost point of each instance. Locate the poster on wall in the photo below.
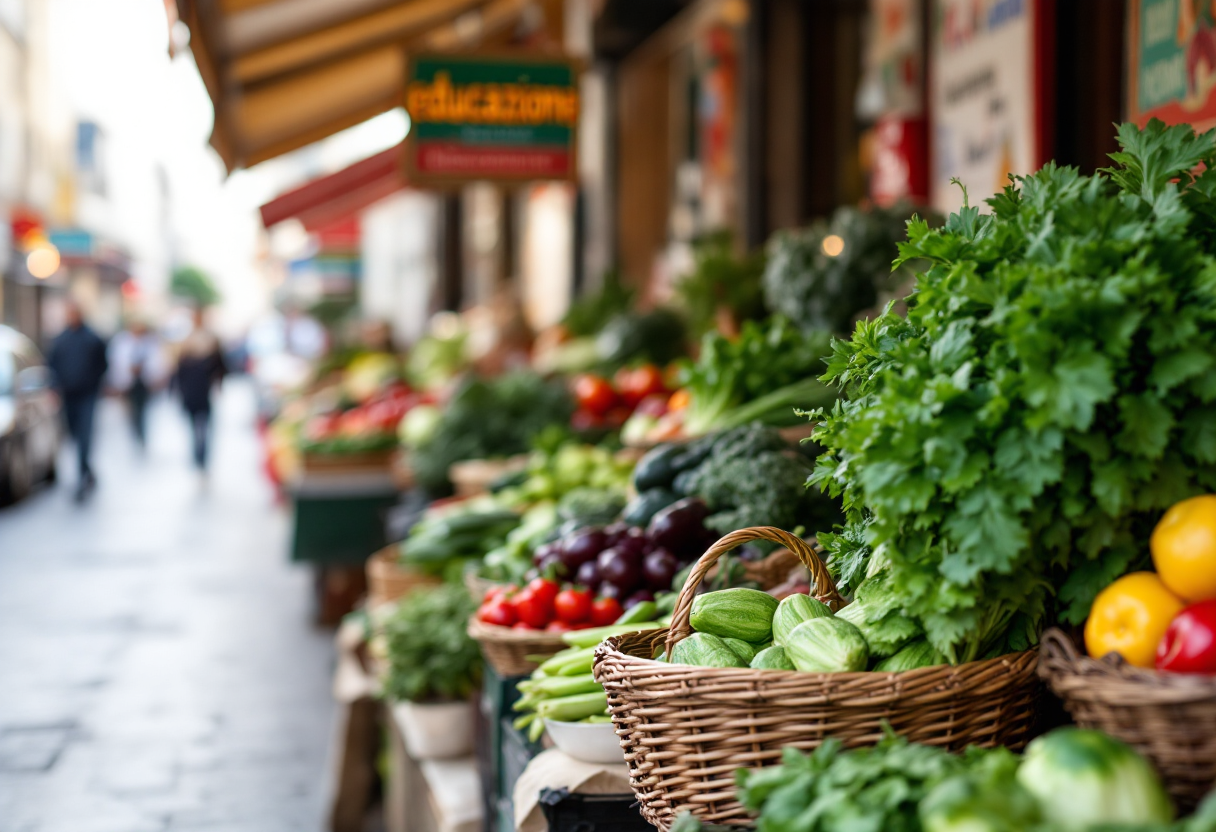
(987, 115)
(1172, 61)
(489, 117)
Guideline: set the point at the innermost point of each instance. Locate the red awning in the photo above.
(339, 196)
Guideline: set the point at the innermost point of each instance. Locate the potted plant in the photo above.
(434, 667)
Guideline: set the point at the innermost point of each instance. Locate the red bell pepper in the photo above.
(1189, 644)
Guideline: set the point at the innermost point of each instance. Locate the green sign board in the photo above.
(478, 117)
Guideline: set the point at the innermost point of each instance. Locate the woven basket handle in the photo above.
(825, 587)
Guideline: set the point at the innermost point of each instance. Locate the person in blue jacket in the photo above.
(78, 362)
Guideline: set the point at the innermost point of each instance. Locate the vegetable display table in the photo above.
(430, 795)
(337, 523)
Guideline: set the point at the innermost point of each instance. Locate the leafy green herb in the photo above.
(770, 360)
(875, 789)
(431, 657)
(1007, 448)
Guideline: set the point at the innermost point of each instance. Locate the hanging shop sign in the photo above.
(1172, 62)
(987, 102)
(478, 117)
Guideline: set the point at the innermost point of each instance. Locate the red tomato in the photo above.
(500, 591)
(498, 611)
(558, 627)
(544, 589)
(573, 605)
(617, 416)
(533, 611)
(605, 611)
(522, 626)
(594, 393)
(1189, 644)
(635, 385)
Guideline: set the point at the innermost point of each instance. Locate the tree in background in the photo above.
(193, 284)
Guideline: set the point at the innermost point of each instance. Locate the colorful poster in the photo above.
(1172, 61)
(475, 117)
(986, 115)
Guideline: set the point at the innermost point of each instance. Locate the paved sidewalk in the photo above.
(158, 667)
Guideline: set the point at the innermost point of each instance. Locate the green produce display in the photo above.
(792, 611)
(443, 544)
(720, 280)
(741, 613)
(705, 650)
(744, 650)
(1009, 444)
(821, 288)
(489, 419)
(1075, 781)
(431, 657)
(827, 645)
(748, 476)
(765, 374)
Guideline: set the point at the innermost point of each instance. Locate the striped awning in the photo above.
(285, 73)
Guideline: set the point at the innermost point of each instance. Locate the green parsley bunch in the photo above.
(1006, 449)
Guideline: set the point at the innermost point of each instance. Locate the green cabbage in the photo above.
(1082, 777)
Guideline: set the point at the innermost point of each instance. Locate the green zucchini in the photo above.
(739, 612)
(639, 612)
(827, 645)
(740, 648)
(657, 469)
(705, 650)
(919, 653)
(772, 658)
(792, 611)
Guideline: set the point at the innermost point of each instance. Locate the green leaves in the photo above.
(431, 656)
(1047, 396)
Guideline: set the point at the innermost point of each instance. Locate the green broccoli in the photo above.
(753, 477)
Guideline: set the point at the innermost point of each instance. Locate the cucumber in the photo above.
(646, 505)
(772, 658)
(739, 612)
(639, 612)
(792, 611)
(705, 650)
(657, 469)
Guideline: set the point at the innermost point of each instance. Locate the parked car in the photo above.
(29, 417)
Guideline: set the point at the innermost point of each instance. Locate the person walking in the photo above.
(78, 362)
(200, 367)
(137, 369)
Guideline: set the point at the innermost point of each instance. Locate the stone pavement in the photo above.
(158, 667)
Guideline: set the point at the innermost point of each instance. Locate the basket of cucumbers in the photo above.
(738, 676)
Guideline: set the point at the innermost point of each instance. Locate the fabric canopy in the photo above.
(286, 73)
(338, 196)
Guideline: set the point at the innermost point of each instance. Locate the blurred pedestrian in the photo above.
(78, 361)
(137, 370)
(200, 367)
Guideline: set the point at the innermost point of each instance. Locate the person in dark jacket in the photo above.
(78, 361)
(200, 366)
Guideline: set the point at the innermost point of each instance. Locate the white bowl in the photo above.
(436, 731)
(591, 742)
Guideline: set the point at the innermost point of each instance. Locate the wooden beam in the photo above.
(234, 6)
(396, 23)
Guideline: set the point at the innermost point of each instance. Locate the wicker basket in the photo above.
(507, 649)
(388, 580)
(1169, 718)
(474, 477)
(685, 730)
